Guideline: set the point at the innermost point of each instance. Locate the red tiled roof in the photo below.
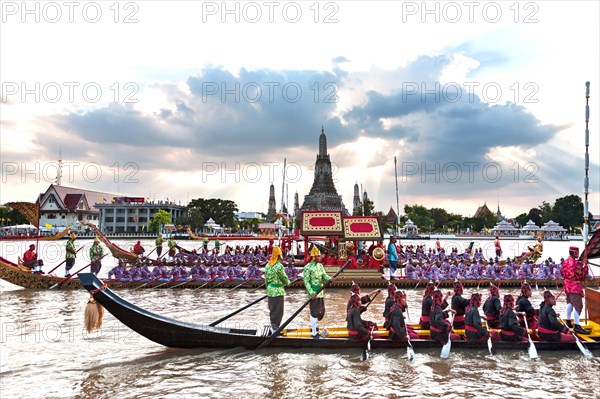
(72, 200)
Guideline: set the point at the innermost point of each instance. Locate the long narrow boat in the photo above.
(10, 272)
(177, 334)
(53, 237)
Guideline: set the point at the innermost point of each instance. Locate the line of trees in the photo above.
(566, 211)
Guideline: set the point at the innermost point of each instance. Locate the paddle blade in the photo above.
(410, 355)
(584, 351)
(532, 351)
(364, 355)
(446, 350)
(491, 346)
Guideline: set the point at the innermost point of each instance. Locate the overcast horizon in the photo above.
(481, 102)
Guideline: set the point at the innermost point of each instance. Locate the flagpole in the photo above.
(586, 181)
(397, 198)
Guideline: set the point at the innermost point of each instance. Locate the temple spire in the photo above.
(322, 143)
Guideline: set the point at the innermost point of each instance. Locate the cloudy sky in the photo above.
(479, 101)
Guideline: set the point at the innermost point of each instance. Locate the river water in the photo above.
(45, 352)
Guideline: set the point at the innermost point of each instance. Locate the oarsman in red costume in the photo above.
(459, 304)
(492, 306)
(574, 272)
(364, 299)
(549, 329)
(440, 328)
(426, 307)
(358, 329)
(30, 257)
(389, 302)
(524, 307)
(474, 330)
(509, 324)
(497, 247)
(374, 263)
(351, 257)
(397, 325)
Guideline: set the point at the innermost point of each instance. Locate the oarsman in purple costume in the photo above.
(253, 272)
(397, 325)
(212, 271)
(525, 271)
(145, 271)
(426, 307)
(543, 271)
(509, 271)
(435, 273)
(232, 273)
(198, 272)
(525, 309)
(509, 324)
(459, 305)
(136, 272)
(473, 272)
(179, 273)
(492, 306)
(440, 328)
(291, 270)
(221, 273)
(410, 271)
(119, 272)
(452, 271)
(389, 302)
(490, 271)
(358, 329)
(549, 329)
(474, 330)
(161, 273)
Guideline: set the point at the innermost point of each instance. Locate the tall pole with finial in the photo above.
(586, 181)
(397, 197)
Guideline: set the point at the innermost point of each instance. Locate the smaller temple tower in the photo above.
(272, 212)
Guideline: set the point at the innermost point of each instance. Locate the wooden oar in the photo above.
(240, 284)
(446, 348)
(147, 282)
(270, 338)
(61, 282)
(365, 354)
(222, 319)
(208, 282)
(166, 282)
(185, 282)
(150, 253)
(584, 351)
(57, 266)
(532, 350)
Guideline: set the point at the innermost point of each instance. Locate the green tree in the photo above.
(440, 218)
(568, 211)
(522, 219)
(420, 216)
(535, 215)
(159, 219)
(547, 213)
(194, 219)
(11, 217)
(221, 211)
(367, 207)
